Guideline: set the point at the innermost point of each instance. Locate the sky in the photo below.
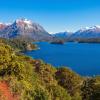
(53, 15)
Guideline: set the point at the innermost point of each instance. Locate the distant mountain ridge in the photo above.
(24, 28)
(88, 32)
(27, 29)
(62, 34)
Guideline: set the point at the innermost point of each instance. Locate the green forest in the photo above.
(31, 79)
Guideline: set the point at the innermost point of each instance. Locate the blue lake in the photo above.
(81, 58)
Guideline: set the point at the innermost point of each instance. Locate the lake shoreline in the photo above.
(81, 58)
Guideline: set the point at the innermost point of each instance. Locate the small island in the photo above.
(57, 42)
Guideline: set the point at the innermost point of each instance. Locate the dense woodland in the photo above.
(30, 79)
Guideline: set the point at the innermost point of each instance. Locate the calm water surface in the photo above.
(82, 58)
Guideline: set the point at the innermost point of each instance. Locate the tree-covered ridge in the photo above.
(32, 79)
(19, 44)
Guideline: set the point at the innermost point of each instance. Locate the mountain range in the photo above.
(88, 32)
(25, 28)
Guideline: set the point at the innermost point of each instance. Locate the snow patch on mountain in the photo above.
(24, 28)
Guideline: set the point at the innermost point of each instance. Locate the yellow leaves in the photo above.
(27, 85)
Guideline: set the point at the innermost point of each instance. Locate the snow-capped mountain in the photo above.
(88, 32)
(2, 26)
(24, 28)
(27, 29)
(62, 34)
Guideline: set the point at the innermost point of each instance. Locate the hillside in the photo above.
(30, 79)
(19, 44)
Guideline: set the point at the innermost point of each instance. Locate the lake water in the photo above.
(81, 58)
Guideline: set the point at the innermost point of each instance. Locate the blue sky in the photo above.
(53, 15)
